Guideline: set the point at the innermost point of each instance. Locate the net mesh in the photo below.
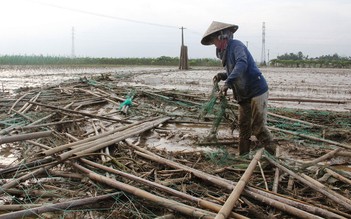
(218, 111)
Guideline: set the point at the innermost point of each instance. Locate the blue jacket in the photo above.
(243, 75)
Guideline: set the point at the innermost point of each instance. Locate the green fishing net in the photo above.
(218, 110)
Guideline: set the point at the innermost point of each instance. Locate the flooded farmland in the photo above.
(138, 138)
(333, 85)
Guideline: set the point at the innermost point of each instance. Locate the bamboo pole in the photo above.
(322, 158)
(8, 129)
(201, 202)
(56, 207)
(18, 100)
(299, 213)
(42, 119)
(165, 202)
(338, 176)
(295, 120)
(71, 193)
(290, 183)
(267, 197)
(252, 192)
(48, 116)
(311, 137)
(26, 166)
(83, 141)
(23, 115)
(256, 211)
(110, 124)
(314, 185)
(29, 104)
(116, 97)
(90, 139)
(22, 137)
(38, 144)
(154, 95)
(174, 96)
(276, 174)
(338, 196)
(98, 95)
(86, 102)
(234, 196)
(82, 113)
(48, 124)
(26, 106)
(24, 177)
(343, 154)
(37, 193)
(73, 138)
(334, 210)
(166, 216)
(112, 139)
(17, 207)
(32, 125)
(307, 100)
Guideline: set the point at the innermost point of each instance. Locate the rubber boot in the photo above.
(270, 147)
(244, 146)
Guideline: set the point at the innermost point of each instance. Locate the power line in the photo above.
(104, 15)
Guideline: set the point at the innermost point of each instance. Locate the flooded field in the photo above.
(285, 83)
(14, 77)
(64, 135)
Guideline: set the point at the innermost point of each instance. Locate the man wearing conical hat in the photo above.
(249, 87)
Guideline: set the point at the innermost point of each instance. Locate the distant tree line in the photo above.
(78, 61)
(285, 60)
(299, 60)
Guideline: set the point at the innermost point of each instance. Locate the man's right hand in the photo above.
(223, 90)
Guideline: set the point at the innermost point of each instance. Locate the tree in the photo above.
(291, 56)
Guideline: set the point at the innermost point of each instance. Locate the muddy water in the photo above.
(8, 155)
(326, 84)
(181, 137)
(305, 83)
(331, 84)
(14, 77)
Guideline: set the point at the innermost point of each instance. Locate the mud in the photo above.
(306, 83)
(303, 83)
(181, 138)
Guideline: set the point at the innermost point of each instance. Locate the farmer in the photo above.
(249, 87)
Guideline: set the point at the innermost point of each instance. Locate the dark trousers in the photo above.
(252, 121)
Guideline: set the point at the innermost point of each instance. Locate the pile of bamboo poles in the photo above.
(80, 150)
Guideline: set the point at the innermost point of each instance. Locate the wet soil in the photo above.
(167, 91)
(289, 83)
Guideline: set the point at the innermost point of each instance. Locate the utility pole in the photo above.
(263, 53)
(182, 28)
(183, 60)
(73, 55)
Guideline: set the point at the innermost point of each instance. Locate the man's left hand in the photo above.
(223, 90)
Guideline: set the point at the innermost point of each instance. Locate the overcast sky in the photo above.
(150, 28)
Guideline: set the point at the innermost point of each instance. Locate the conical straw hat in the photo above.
(215, 27)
